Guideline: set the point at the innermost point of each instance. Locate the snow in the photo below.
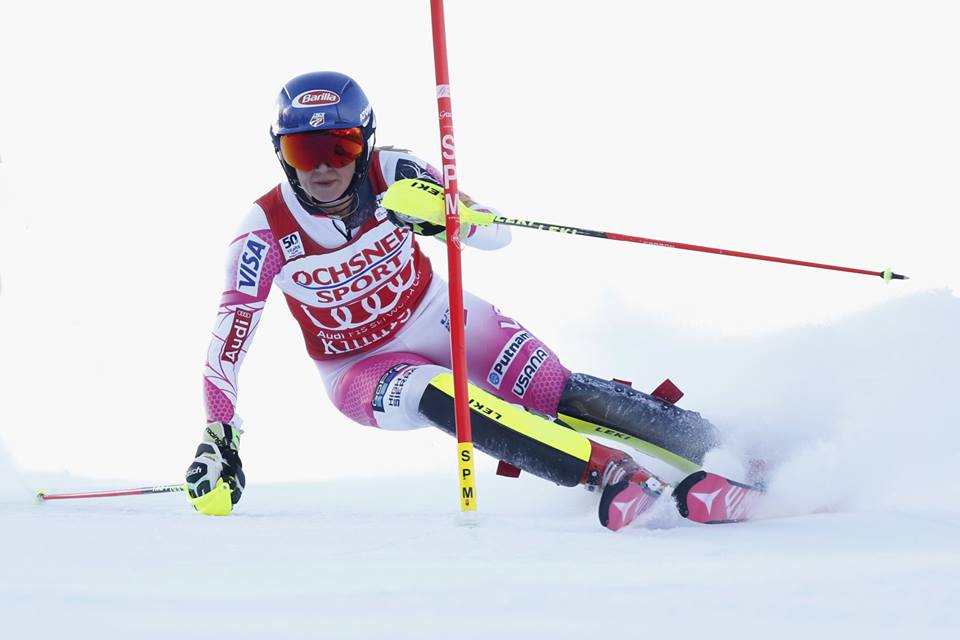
(732, 130)
(860, 417)
(374, 559)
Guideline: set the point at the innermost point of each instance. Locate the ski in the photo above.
(712, 499)
(622, 502)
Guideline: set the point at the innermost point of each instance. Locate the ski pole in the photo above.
(424, 200)
(887, 274)
(43, 495)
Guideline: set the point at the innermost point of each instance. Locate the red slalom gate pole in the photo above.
(458, 348)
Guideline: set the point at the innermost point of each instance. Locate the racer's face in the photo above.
(326, 183)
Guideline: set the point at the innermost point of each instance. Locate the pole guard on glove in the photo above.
(423, 200)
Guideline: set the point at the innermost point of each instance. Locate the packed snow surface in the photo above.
(859, 420)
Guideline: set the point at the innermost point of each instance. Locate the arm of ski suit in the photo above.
(253, 260)
(401, 169)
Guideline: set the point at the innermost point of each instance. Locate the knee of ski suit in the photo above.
(509, 361)
(385, 390)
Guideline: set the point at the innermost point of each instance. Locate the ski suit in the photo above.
(373, 313)
(375, 320)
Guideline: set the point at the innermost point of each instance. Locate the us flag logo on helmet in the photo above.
(317, 119)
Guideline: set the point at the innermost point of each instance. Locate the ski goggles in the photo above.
(333, 147)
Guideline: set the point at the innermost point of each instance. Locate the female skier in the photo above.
(375, 320)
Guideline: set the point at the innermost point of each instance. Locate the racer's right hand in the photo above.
(215, 478)
(419, 227)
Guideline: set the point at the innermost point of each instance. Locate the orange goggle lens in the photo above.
(333, 147)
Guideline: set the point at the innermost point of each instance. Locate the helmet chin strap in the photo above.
(340, 208)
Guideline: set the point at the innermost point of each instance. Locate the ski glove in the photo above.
(423, 200)
(215, 478)
(418, 226)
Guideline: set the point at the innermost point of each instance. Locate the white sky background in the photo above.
(132, 143)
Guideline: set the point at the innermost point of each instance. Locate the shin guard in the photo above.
(617, 411)
(505, 431)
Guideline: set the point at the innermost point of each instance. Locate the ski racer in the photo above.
(375, 320)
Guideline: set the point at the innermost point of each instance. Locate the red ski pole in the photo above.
(411, 197)
(43, 495)
(609, 235)
(458, 349)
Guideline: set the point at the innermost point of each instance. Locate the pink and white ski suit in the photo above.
(374, 315)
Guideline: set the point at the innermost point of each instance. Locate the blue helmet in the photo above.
(324, 100)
